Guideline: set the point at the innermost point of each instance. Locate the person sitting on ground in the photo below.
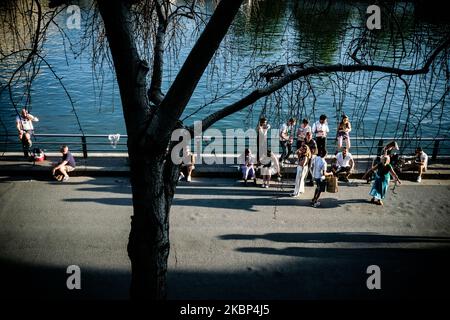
(343, 165)
(66, 165)
(270, 166)
(302, 131)
(319, 173)
(420, 163)
(311, 143)
(188, 165)
(303, 155)
(286, 140)
(24, 125)
(247, 166)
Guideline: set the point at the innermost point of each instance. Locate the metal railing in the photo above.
(92, 143)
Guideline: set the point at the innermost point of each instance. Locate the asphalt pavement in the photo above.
(228, 241)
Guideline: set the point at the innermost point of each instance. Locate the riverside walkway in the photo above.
(116, 164)
(228, 241)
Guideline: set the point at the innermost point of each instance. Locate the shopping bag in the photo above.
(332, 184)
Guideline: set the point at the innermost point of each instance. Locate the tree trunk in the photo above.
(153, 185)
(153, 174)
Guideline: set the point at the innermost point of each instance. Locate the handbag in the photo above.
(332, 184)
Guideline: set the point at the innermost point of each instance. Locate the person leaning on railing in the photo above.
(24, 125)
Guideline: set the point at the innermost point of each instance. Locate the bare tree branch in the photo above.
(315, 70)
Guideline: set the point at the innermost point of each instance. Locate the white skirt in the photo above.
(268, 171)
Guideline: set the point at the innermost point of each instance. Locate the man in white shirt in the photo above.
(344, 164)
(286, 139)
(320, 129)
(420, 163)
(319, 168)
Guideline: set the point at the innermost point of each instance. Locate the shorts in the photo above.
(343, 135)
(321, 185)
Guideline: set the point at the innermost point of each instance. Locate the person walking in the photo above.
(380, 185)
(311, 143)
(304, 156)
(319, 174)
(320, 129)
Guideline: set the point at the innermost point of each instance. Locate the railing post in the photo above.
(380, 147)
(435, 149)
(84, 146)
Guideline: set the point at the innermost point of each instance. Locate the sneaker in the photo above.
(263, 185)
(419, 179)
(317, 204)
(65, 178)
(181, 177)
(266, 186)
(293, 195)
(188, 179)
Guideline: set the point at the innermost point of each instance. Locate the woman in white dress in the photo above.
(270, 166)
(304, 156)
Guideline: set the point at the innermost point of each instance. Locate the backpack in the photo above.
(38, 155)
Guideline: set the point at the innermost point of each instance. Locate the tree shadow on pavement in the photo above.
(334, 237)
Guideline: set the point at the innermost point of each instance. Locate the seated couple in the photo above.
(269, 166)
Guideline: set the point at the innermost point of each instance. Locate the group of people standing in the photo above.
(310, 154)
(310, 157)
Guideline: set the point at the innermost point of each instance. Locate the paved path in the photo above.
(227, 241)
(116, 164)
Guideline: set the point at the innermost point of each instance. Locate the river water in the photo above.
(278, 33)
